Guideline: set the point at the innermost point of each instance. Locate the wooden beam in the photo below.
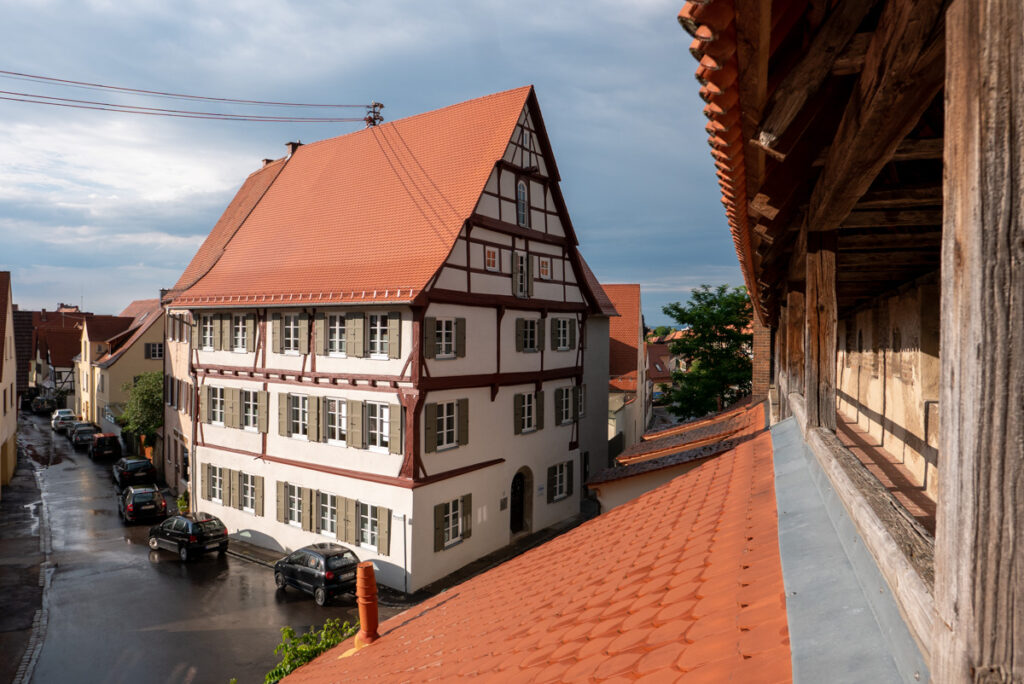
(979, 596)
(909, 149)
(893, 218)
(881, 242)
(804, 79)
(821, 316)
(851, 59)
(753, 38)
(903, 71)
(892, 198)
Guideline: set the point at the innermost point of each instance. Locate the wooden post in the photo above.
(795, 341)
(820, 340)
(979, 552)
(781, 365)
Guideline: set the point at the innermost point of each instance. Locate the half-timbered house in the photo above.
(390, 339)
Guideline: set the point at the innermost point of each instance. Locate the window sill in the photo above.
(205, 348)
(444, 357)
(337, 355)
(250, 511)
(447, 447)
(559, 498)
(368, 547)
(379, 449)
(452, 544)
(291, 352)
(240, 350)
(526, 431)
(337, 443)
(292, 523)
(299, 436)
(218, 423)
(329, 534)
(250, 428)
(379, 357)
(217, 501)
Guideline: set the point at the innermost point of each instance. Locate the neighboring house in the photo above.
(53, 369)
(28, 327)
(659, 368)
(629, 389)
(390, 339)
(8, 384)
(115, 350)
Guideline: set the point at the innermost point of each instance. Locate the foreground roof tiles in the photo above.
(368, 216)
(682, 584)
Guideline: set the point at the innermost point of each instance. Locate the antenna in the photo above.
(373, 115)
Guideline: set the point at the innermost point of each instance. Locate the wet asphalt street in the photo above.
(119, 612)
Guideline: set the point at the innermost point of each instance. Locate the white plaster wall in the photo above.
(593, 425)
(481, 341)
(618, 492)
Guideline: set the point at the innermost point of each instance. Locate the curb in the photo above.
(247, 557)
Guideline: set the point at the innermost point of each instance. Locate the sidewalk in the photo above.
(21, 559)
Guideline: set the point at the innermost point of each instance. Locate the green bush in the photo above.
(299, 650)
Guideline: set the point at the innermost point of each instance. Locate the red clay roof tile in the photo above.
(625, 334)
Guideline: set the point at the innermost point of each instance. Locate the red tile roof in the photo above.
(144, 314)
(683, 583)
(105, 328)
(368, 216)
(659, 363)
(604, 304)
(624, 332)
(62, 345)
(5, 302)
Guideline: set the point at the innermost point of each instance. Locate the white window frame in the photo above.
(565, 408)
(378, 426)
(298, 416)
(447, 425)
(452, 522)
(290, 333)
(377, 337)
(530, 335)
(445, 336)
(562, 334)
(544, 268)
(238, 333)
(336, 335)
(250, 410)
(341, 428)
(492, 259)
(217, 405)
(560, 485)
(248, 493)
(522, 284)
(206, 332)
(327, 510)
(156, 350)
(528, 418)
(294, 510)
(522, 205)
(369, 526)
(216, 484)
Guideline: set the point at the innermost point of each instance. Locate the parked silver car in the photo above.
(61, 418)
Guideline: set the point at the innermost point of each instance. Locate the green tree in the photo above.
(661, 330)
(144, 412)
(718, 346)
(299, 650)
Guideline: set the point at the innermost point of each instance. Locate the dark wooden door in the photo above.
(516, 508)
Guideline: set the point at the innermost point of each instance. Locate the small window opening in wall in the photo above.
(544, 268)
(522, 214)
(491, 258)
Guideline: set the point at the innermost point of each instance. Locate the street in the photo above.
(118, 612)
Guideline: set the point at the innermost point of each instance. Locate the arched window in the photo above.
(522, 215)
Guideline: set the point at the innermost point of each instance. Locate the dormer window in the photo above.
(522, 217)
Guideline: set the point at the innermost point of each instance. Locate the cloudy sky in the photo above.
(103, 208)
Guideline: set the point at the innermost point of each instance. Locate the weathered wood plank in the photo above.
(881, 242)
(901, 198)
(795, 340)
(979, 556)
(821, 315)
(753, 37)
(893, 217)
(851, 59)
(804, 79)
(912, 149)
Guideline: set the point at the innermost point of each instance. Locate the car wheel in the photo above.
(222, 550)
(319, 596)
(280, 581)
(183, 553)
(153, 544)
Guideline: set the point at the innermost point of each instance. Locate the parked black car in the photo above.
(323, 570)
(69, 428)
(190, 535)
(141, 502)
(81, 435)
(129, 471)
(105, 445)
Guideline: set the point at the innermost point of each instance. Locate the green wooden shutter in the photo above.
(204, 404)
(303, 333)
(460, 337)
(384, 531)
(277, 333)
(575, 403)
(439, 527)
(430, 428)
(207, 482)
(429, 337)
(262, 410)
(355, 424)
(540, 335)
(315, 511)
(573, 324)
(236, 488)
(250, 332)
(313, 431)
(551, 484)
(320, 333)
(354, 325)
(195, 331)
(554, 333)
(559, 393)
(515, 273)
(226, 336)
(569, 478)
(520, 335)
(467, 516)
(395, 428)
(540, 410)
(233, 413)
(306, 496)
(517, 414)
(284, 425)
(218, 333)
(529, 275)
(463, 417)
(394, 334)
(282, 502)
(349, 521)
(259, 496)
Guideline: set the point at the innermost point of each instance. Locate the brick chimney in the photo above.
(292, 146)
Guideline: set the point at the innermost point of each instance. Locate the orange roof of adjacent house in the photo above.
(659, 360)
(62, 345)
(624, 332)
(604, 304)
(105, 328)
(143, 314)
(683, 583)
(368, 216)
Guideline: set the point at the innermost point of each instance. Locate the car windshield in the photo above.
(137, 465)
(210, 526)
(143, 497)
(341, 560)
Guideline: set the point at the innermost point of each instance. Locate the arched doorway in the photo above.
(520, 501)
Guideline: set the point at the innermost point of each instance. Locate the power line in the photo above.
(157, 93)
